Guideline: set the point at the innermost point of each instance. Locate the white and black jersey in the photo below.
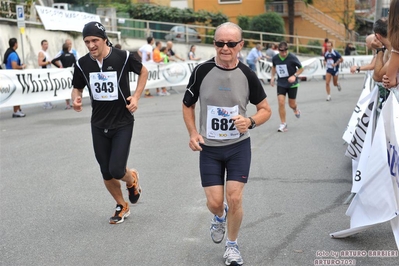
(228, 91)
(108, 86)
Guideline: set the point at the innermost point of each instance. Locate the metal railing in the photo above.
(301, 9)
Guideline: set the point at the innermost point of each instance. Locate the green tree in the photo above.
(269, 22)
(244, 23)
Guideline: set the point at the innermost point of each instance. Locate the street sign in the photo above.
(20, 16)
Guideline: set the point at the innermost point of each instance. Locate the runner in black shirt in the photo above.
(105, 72)
(288, 68)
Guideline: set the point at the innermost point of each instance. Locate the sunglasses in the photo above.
(282, 50)
(229, 44)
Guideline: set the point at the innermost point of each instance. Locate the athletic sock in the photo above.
(221, 219)
(231, 243)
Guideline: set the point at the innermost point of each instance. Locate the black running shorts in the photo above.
(290, 91)
(332, 72)
(234, 159)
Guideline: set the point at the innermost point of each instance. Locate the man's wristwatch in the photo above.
(295, 75)
(358, 69)
(253, 124)
(382, 49)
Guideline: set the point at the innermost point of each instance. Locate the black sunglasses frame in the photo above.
(229, 44)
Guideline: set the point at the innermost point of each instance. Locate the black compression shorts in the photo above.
(111, 148)
(235, 159)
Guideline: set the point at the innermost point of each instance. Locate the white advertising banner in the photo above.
(378, 199)
(166, 75)
(19, 87)
(360, 145)
(315, 66)
(60, 19)
(359, 110)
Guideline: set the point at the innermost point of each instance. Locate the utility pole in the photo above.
(378, 10)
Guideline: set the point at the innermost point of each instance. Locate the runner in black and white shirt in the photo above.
(332, 59)
(224, 86)
(104, 71)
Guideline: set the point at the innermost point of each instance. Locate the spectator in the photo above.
(272, 51)
(240, 56)
(350, 49)
(164, 56)
(390, 78)
(70, 49)
(12, 61)
(67, 59)
(371, 65)
(157, 58)
(382, 46)
(44, 61)
(165, 60)
(145, 52)
(324, 47)
(254, 56)
(191, 54)
(118, 46)
(156, 52)
(171, 54)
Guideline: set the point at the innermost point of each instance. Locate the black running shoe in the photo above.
(121, 212)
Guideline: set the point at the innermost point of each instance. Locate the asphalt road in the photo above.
(54, 207)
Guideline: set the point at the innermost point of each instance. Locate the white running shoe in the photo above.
(282, 128)
(328, 98)
(233, 256)
(18, 114)
(339, 87)
(48, 105)
(218, 229)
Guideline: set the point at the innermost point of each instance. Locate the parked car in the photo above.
(178, 34)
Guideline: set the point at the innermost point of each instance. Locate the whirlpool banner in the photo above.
(315, 66)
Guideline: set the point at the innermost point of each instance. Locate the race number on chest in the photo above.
(104, 86)
(219, 124)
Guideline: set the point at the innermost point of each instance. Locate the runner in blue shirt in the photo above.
(332, 59)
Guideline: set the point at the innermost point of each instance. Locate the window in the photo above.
(230, 1)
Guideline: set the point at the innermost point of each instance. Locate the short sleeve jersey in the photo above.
(331, 58)
(146, 51)
(171, 52)
(112, 113)
(286, 67)
(156, 55)
(224, 88)
(12, 57)
(67, 59)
